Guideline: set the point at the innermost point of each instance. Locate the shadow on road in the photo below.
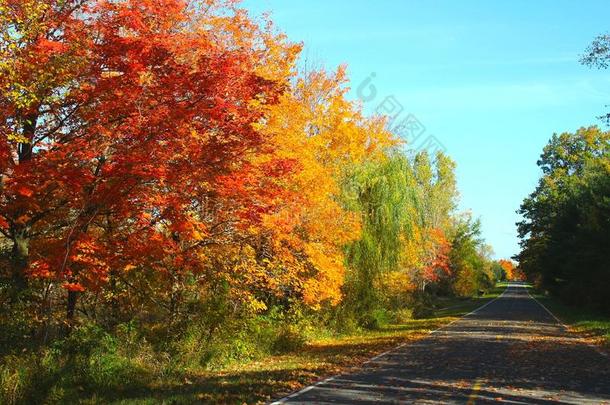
(511, 351)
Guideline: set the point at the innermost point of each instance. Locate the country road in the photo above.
(510, 351)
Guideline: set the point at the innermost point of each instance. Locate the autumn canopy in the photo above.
(159, 156)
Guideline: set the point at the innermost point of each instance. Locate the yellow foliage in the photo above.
(316, 127)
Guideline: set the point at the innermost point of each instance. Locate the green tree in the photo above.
(566, 227)
(382, 194)
(469, 258)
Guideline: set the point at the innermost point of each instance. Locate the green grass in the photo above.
(457, 307)
(276, 376)
(593, 325)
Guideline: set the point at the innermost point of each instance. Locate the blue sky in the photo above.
(491, 80)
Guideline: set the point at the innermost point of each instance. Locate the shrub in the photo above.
(289, 338)
(402, 316)
(422, 311)
(89, 359)
(376, 319)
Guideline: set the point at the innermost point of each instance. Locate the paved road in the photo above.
(510, 351)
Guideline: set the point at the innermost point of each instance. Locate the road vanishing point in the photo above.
(512, 350)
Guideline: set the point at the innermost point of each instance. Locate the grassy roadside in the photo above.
(275, 376)
(590, 324)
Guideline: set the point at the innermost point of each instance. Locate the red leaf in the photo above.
(73, 287)
(25, 191)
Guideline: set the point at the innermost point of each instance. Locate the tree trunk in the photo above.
(19, 258)
(71, 308)
(21, 232)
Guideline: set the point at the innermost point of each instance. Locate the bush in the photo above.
(89, 359)
(93, 360)
(289, 338)
(241, 340)
(376, 319)
(339, 320)
(422, 311)
(402, 316)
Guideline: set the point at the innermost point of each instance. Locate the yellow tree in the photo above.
(325, 135)
(509, 269)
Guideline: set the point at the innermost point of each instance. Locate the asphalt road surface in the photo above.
(510, 351)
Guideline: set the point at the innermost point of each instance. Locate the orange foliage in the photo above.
(509, 269)
(156, 139)
(316, 128)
